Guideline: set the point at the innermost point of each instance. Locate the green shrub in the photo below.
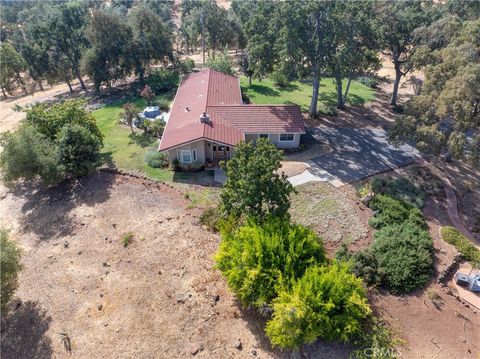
(186, 66)
(153, 128)
(362, 263)
(328, 110)
(27, 154)
(221, 63)
(56, 141)
(79, 149)
(10, 264)
(377, 341)
(390, 211)
(211, 218)
(163, 104)
(279, 78)
(368, 81)
(192, 167)
(401, 188)
(468, 250)
(127, 238)
(258, 260)
(404, 253)
(162, 80)
(326, 302)
(175, 165)
(156, 159)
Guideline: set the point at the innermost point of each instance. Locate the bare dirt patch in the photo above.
(334, 213)
(157, 297)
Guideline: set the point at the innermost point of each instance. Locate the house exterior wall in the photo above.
(204, 148)
(275, 139)
(199, 146)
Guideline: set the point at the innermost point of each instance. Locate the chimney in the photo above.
(204, 118)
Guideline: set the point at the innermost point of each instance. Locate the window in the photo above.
(194, 152)
(186, 156)
(287, 137)
(263, 135)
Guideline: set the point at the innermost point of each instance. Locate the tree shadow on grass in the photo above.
(263, 90)
(47, 211)
(141, 139)
(24, 333)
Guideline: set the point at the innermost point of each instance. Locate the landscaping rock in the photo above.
(195, 348)
(238, 345)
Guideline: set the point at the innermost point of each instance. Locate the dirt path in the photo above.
(10, 119)
(452, 202)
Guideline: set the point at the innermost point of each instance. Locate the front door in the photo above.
(221, 152)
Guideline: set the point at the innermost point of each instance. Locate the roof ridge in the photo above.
(206, 98)
(257, 105)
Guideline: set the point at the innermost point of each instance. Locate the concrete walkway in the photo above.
(314, 174)
(219, 176)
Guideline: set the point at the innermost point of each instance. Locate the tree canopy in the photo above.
(254, 188)
(445, 116)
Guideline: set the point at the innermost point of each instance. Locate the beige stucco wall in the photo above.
(198, 145)
(204, 151)
(275, 139)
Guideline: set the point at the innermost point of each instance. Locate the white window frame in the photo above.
(260, 134)
(280, 137)
(181, 156)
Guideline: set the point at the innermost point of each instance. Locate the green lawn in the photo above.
(126, 151)
(300, 93)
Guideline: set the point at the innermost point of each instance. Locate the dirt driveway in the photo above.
(159, 297)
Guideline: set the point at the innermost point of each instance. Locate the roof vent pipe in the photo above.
(204, 118)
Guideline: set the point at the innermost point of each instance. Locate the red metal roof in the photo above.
(219, 95)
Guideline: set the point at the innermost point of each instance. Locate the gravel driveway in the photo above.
(359, 153)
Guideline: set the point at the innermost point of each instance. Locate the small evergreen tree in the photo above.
(253, 187)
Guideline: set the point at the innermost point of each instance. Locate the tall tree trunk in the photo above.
(396, 83)
(338, 81)
(250, 80)
(76, 71)
(346, 89)
(39, 82)
(69, 85)
(141, 74)
(315, 91)
(4, 93)
(21, 83)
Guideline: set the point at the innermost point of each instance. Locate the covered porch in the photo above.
(205, 152)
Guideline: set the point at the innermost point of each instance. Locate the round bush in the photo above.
(328, 302)
(156, 159)
(258, 260)
(404, 253)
